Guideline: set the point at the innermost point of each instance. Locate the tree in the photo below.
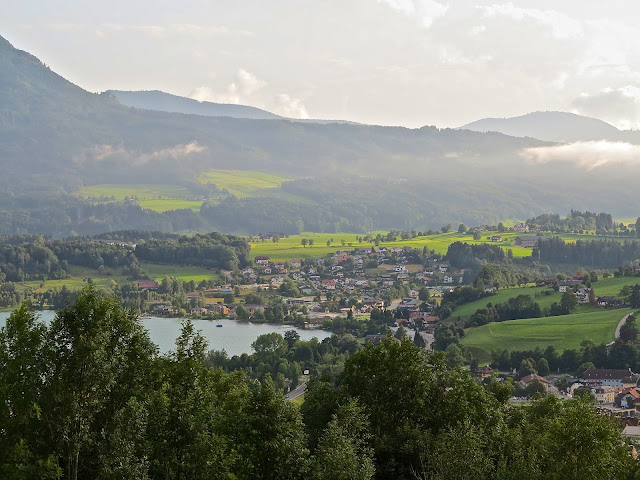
(477, 235)
(304, 242)
(22, 376)
(543, 367)
(291, 337)
(634, 299)
(462, 228)
(271, 440)
(311, 242)
(453, 356)
(527, 367)
(269, 346)
(423, 294)
(100, 356)
(419, 340)
(569, 302)
(501, 228)
(446, 228)
(343, 451)
(401, 333)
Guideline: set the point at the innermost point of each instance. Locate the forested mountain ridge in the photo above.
(166, 102)
(56, 138)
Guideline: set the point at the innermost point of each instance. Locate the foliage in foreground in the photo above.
(88, 397)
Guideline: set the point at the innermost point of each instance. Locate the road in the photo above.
(296, 392)
(620, 324)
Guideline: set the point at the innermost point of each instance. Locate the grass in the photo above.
(291, 247)
(563, 332)
(154, 197)
(78, 276)
(242, 183)
(184, 273)
(503, 295)
(612, 286)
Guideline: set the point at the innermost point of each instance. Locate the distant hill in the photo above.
(165, 102)
(549, 126)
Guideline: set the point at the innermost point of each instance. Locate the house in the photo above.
(627, 398)
(295, 263)
(219, 309)
(565, 285)
(262, 260)
(496, 238)
(529, 241)
(608, 377)
(443, 268)
(375, 339)
(279, 266)
(148, 285)
(526, 381)
(520, 227)
(266, 270)
(583, 295)
(607, 301)
(329, 284)
(199, 311)
(483, 372)
(604, 394)
(447, 279)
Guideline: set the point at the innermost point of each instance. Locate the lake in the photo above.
(234, 337)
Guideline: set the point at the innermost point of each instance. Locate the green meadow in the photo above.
(242, 183)
(79, 276)
(538, 293)
(154, 197)
(291, 246)
(184, 273)
(563, 332)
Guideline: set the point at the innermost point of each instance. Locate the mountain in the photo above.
(549, 126)
(165, 102)
(56, 138)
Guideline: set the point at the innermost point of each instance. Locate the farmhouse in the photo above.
(529, 241)
(148, 285)
(262, 260)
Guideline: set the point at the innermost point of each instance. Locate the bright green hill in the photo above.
(566, 331)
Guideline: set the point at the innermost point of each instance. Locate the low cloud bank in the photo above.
(589, 155)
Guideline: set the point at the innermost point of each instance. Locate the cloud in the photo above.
(561, 25)
(620, 106)
(589, 155)
(426, 10)
(244, 85)
(100, 153)
(288, 106)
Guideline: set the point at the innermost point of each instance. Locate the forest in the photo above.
(89, 397)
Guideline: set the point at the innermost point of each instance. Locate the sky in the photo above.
(386, 62)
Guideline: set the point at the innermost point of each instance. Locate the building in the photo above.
(148, 285)
(529, 241)
(483, 372)
(526, 381)
(604, 394)
(608, 377)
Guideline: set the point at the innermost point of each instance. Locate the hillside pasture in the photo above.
(242, 183)
(291, 246)
(184, 273)
(562, 332)
(154, 197)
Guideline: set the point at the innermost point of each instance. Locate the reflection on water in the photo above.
(234, 337)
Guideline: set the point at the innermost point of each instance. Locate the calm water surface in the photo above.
(234, 337)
